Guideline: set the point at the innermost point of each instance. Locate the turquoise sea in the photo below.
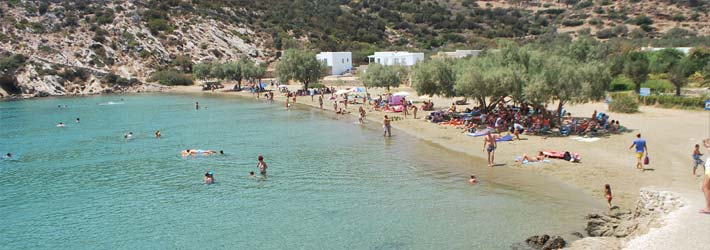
(332, 184)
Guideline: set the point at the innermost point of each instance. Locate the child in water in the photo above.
(607, 195)
(209, 178)
(472, 180)
(696, 158)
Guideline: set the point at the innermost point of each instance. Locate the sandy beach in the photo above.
(670, 133)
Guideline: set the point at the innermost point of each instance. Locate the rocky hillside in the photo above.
(89, 46)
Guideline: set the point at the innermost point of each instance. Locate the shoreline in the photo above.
(604, 161)
(599, 166)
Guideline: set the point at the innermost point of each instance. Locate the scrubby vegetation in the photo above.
(170, 78)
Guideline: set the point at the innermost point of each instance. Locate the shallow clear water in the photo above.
(332, 184)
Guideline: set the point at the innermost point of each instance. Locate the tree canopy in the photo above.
(300, 65)
(383, 76)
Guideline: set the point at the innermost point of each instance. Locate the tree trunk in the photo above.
(559, 110)
(305, 86)
(677, 90)
(638, 87)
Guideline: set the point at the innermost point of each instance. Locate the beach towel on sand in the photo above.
(505, 138)
(481, 132)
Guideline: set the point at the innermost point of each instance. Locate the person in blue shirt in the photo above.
(641, 148)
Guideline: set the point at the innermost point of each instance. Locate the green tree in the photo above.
(202, 70)
(300, 65)
(636, 68)
(184, 63)
(678, 74)
(260, 71)
(383, 76)
(434, 77)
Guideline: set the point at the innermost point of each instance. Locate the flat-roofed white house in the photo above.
(396, 58)
(685, 50)
(460, 53)
(339, 62)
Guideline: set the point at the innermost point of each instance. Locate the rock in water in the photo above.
(555, 242)
(540, 242)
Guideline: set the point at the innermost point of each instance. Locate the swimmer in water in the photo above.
(77, 120)
(60, 125)
(473, 180)
(128, 136)
(209, 178)
(262, 165)
(8, 156)
(157, 134)
(221, 152)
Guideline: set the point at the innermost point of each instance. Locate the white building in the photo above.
(460, 53)
(685, 50)
(339, 62)
(396, 58)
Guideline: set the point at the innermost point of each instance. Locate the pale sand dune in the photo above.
(671, 135)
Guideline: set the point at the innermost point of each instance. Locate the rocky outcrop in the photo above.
(650, 207)
(611, 230)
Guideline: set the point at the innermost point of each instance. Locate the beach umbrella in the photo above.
(263, 85)
(401, 93)
(357, 90)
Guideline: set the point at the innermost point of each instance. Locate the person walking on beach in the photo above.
(404, 107)
(414, 111)
(489, 145)
(696, 158)
(387, 126)
(261, 165)
(641, 148)
(320, 102)
(608, 195)
(706, 181)
(335, 105)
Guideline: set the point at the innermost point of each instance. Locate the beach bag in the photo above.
(645, 160)
(567, 156)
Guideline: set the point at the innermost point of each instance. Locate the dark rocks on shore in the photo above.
(651, 205)
(540, 242)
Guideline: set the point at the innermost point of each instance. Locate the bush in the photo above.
(605, 34)
(621, 83)
(624, 104)
(643, 19)
(171, 77)
(572, 23)
(659, 85)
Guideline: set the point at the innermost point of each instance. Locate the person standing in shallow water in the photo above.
(197, 105)
(262, 165)
(387, 126)
(157, 134)
(320, 102)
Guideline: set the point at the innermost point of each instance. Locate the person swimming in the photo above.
(209, 178)
(157, 134)
(60, 125)
(473, 180)
(7, 156)
(77, 120)
(198, 152)
(128, 136)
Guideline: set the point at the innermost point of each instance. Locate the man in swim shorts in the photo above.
(489, 145)
(641, 148)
